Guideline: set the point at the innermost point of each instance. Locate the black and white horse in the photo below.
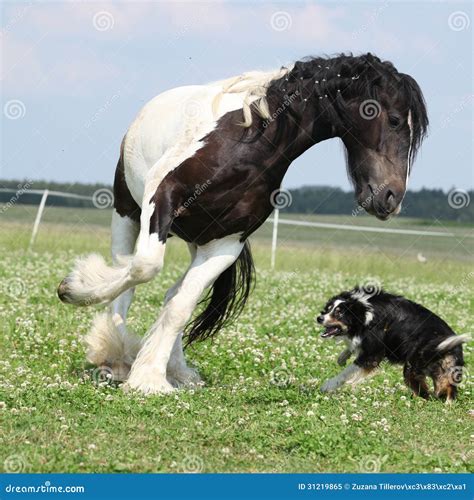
(203, 163)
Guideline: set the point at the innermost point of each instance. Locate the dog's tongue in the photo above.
(329, 332)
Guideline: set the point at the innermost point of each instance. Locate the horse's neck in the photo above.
(307, 129)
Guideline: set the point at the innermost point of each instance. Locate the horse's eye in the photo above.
(394, 121)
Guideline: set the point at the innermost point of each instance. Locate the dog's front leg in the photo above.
(351, 375)
(343, 357)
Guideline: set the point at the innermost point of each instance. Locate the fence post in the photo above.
(274, 236)
(38, 216)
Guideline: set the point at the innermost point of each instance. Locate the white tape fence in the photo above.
(276, 220)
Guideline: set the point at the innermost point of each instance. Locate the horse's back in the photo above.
(176, 117)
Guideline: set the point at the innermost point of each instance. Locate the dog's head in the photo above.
(346, 314)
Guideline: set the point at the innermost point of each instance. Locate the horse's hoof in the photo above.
(64, 292)
(146, 382)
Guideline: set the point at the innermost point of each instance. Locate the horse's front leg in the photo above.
(148, 373)
(178, 372)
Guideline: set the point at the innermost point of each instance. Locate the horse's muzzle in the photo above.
(382, 203)
(64, 292)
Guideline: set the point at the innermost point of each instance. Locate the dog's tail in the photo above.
(452, 342)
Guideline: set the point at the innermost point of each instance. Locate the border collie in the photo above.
(378, 326)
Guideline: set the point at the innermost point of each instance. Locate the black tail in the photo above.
(226, 299)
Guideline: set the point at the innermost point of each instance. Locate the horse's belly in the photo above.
(170, 118)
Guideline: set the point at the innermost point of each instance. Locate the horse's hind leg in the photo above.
(109, 343)
(94, 282)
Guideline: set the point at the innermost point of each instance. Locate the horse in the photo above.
(203, 163)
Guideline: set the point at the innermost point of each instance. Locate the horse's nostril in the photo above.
(390, 201)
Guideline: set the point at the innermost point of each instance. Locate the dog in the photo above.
(377, 325)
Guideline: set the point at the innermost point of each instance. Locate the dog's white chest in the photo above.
(353, 344)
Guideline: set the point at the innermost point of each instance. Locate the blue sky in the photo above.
(74, 74)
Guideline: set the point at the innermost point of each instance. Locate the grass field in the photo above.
(261, 409)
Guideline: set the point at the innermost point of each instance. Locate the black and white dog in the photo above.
(378, 326)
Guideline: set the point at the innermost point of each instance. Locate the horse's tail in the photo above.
(226, 300)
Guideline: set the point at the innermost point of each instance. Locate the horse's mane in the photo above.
(340, 78)
(255, 85)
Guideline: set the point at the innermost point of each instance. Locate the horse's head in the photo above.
(385, 122)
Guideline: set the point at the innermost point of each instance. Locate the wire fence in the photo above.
(103, 198)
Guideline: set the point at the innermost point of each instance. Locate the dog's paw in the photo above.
(343, 357)
(329, 386)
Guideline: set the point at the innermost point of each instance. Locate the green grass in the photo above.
(260, 409)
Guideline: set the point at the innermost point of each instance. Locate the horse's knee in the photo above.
(145, 268)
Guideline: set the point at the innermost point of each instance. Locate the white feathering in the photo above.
(106, 346)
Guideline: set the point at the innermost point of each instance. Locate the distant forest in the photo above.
(456, 205)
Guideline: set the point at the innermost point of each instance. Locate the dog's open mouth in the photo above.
(331, 331)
